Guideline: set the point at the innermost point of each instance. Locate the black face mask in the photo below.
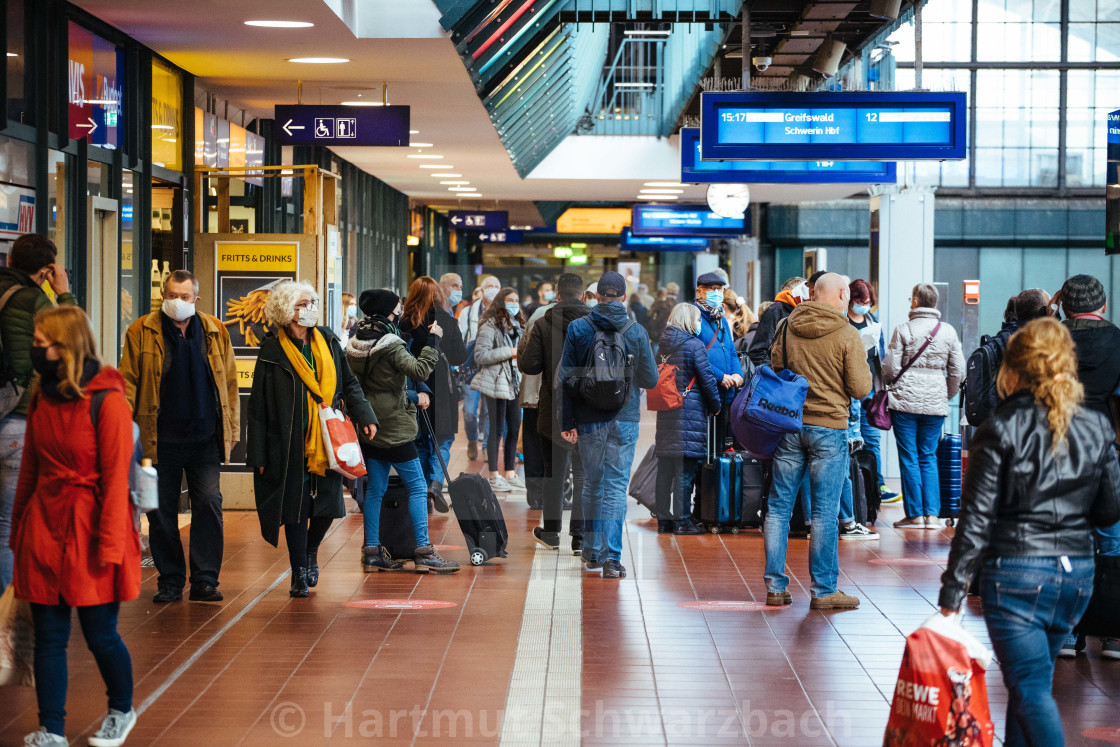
(45, 368)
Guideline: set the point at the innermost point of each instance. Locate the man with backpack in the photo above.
(794, 291)
(817, 342)
(31, 263)
(979, 388)
(606, 362)
(472, 402)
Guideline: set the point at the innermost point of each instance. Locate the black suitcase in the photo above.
(753, 483)
(1102, 618)
(865, 459)
(859, 491)
(396, 525)
(478, 511)
(643, 483)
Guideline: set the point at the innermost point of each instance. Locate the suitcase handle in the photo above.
(435, 444)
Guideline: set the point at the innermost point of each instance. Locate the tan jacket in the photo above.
(143, 365)
(827, 351)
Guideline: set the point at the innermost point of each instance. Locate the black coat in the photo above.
(1023, 499)
(542, 355)
(445, 395)
(684, 431)
(759, 351)
(1098, 360)
(277, 413)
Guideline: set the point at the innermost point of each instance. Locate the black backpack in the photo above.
(607, 373)
(980, 396)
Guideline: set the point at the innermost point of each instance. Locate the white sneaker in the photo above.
(516, 482)
(857, 531)
(499, 485)
(933, 522)
(43, 738)
(114, 729)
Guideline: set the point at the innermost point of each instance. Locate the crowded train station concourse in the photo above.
(560, 372)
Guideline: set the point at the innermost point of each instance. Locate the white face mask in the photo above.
(178, 309)
(489, 294)
(352, 311)
(307, 317)
(801, 291)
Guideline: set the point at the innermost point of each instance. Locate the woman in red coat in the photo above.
(73, 533)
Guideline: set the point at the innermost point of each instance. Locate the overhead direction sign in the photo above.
(479, 220)
(685, 220)
(593, 220)
(315, 124)
(663, 243)
(694, 170)
(877, 126)
(500, 237)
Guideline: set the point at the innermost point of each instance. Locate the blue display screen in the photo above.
(663, 243)
(833, 126)
(684, 220)
(777, 172)
(1114, 136)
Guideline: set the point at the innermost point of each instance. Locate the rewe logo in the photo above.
(778, 409)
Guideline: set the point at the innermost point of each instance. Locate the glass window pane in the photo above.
(1016, 167)
(1079, 128)
(19, 108)
(1044, 168)
(1079, 88)
(1016, 127)
(1079, 166)
(1044, 127)
(989, 167)
(954, 173)
(1048, 11)
(990, 126)
(1108, 10)
(1108, 42)
(1045, 85)
(1082, 41)
(1082, 10)
(990, 10)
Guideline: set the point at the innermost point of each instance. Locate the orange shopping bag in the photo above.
(940, 699)
(344, 453)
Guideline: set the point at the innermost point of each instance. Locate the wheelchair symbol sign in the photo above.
(324, 127)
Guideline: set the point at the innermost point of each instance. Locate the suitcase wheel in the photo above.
(714, 530)
(478, 556)
(950, 522)
(734, 530)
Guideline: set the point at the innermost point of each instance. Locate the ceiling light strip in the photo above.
(516, 38)
(487, 20)
(531, 70)
(501, 30)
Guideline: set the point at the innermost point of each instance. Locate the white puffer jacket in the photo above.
(497, 377)
(935, 378)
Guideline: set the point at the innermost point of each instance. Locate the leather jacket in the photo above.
(1023, 499)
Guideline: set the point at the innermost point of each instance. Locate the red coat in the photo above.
(72, 528)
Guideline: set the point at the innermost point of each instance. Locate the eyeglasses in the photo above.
(307, 305)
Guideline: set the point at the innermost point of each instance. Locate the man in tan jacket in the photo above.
(817, 342)
(181, 381)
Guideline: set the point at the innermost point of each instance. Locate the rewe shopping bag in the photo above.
(17, 641)
(344, 453)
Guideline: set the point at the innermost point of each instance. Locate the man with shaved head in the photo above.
(817, 342)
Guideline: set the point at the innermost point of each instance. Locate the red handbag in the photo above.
(665, 396)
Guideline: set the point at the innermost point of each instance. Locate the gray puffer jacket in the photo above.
(497, 375)
(935, 378)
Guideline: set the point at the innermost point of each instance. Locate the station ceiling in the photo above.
(402, 46)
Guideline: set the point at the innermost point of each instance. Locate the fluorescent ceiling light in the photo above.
(664, 184)
(319, 60)
(628, 84)
(417, 155)
(658, 198)
(99, 102)
(447, 175)
(435, 165)
(462, 189)
(455, 182)
(362, 103)
(163, 127)
(661, 191)
(641, 32)
(281, 24)
(414, 132)
(420, 145)
(12, 54)
(797, 32)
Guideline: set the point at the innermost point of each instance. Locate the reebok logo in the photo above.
(778, 409)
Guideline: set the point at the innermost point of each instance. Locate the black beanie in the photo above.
(378, 302)
(1082, 294)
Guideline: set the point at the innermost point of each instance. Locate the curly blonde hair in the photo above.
(1040, 359)
(280, 309)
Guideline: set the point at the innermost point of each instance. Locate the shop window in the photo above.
(167, 117)
(19, 108)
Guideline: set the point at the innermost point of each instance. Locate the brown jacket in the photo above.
(827, 351)
(143, 366)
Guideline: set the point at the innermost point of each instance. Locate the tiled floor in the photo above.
(264, 669)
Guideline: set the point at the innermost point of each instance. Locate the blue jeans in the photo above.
(871, 441)
(823, 452)
(12, 432)
(429, 462)
(52, 635)
(918, 436)
(413, 477)
(1108, 540)
(607, 452)
(1030, 606)
(472, 415)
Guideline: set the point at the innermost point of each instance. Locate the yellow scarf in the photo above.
(320, 384)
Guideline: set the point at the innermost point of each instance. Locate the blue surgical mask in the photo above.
(513, 309)
(352, 311)
(455, 297)
(714, 299)
(549, 296)
(860, 309)
(699, 328)
(593, 302)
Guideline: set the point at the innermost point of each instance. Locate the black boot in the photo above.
(312, 567)
(299, 583)
(435, 497)
(377, 558)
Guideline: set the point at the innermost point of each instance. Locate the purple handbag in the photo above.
(878, 408)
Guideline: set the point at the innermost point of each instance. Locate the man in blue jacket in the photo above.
(605, 438)
(715, 333)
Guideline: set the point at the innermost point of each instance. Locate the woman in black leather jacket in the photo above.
(1042, 472)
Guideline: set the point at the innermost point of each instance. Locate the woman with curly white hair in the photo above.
(299, 366)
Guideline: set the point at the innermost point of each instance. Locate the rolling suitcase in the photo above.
(859, 491)
(478, 511)
(396, 525)
(720, 490)
(865, 460)
(949, 476)
(753, 483)
(643, 484)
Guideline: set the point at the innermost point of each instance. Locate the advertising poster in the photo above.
(246, 273)
(632, 271)
(17, 211)
(245, 368)
(95, 74)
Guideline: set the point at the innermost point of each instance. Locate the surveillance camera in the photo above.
(761, 63)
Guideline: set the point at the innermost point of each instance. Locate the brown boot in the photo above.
(427, 559)
(376, 558)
